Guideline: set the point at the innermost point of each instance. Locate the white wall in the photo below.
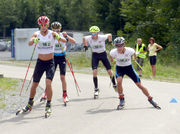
(22, 50)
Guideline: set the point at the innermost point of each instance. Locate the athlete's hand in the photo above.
(57, 36)
(36, 40)
(114, 61)
(86, 48)
(110, 43)
(64, 34)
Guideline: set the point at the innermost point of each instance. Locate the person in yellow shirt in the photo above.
(141, 52)
(153, 48)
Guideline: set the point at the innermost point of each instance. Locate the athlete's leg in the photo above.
(64, 84)
(49, 76)
(119, 85)
(49, 89)
(94, 64)
(144, 89)
(33, 89)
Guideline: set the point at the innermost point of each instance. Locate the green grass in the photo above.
(2, 106)
(81, 64)
(7, 84)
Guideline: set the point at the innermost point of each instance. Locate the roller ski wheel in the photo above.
(65, 101)
(21, 111)
(47, 114)
(96, 93)
(158, 107)
(154, 103)
(43, 99)
(119, 107)
(96, 96)
(65, 98)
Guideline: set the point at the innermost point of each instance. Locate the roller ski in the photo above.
(121, 104)
(96, 93)
(65, 98)
(27, 108)
(150, 99)
(44, 97)
(48, 109)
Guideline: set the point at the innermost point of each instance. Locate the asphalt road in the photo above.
(84, 115)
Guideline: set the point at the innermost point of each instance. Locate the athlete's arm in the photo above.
(159, 48)
(84, 41)
(61, 38)
(109, 37)
(31, 42)
(111, 58)
(135, 56)
(70, 39)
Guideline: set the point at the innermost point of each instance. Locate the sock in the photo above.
(48, 101)
(31, 99)
(121, 96)
(113, 80)
(149, 97)
(95, 80)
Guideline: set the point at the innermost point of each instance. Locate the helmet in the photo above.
(56, 25)
(43, 20)
(94, 29)
(119, 40)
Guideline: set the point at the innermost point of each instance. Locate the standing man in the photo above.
(45, 40)
(122, 55)
(97, 43)
(60, 56)
(141, 54)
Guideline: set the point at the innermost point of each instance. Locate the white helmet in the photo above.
(119, 40)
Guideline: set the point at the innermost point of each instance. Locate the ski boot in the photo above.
(48, 109)
(115, 88)
(122, 102)
(27, 108)
(96, 93)
(65, 98)
(150, 99)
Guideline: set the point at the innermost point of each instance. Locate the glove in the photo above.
(110, 43)
(57, 36)
(86, 48)
(114, 61)
(36, 40)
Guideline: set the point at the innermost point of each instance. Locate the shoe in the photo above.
(140, 75)
(96, 91)
(65, 97)
(150, 99)
(115, 88)
(122, 100)
(48, 107)
(29, 106)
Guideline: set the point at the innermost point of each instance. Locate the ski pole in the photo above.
(142, 69)
(28, 68)
(29, 83)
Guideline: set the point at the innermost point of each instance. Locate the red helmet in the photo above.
(43, 20)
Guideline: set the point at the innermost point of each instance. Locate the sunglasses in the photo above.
(120, 45)
(93, 33)
(56, 30)
(43, 25)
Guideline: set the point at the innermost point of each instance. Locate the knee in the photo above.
(119, 81)
(48, 82)
(62, 78)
